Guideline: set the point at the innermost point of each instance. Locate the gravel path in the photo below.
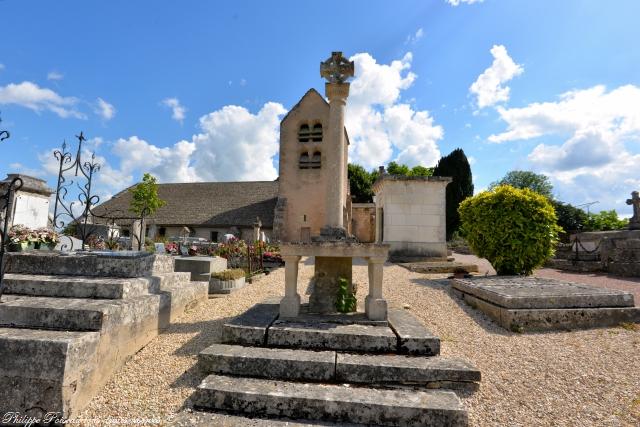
(589, 378)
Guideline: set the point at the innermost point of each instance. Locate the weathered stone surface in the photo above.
(268, 362)
(396, 369)
(566, 319)
(45, 371)
(439, 267)
(335, 249)
(79, 287)
(68, 314)
(43, 363)
(190, 418)
(538, 293)
(259, 397)
(200, 267)
(217, 286)
(104, 264)
(324, 289)
(332, 336)
(530, 320)
(413, 337)
(250, 328)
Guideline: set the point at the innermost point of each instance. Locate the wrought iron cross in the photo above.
(635, 201)
(337, 69)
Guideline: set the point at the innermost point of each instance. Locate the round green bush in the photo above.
(516, 230)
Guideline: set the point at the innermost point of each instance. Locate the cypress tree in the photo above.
(456, 166)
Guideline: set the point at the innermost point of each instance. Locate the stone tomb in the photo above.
(525, 304)
(69, 321)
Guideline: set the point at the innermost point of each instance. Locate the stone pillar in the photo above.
(335, 154)
(290, 304)
(375, 305)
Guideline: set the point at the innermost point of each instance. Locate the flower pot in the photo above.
(21, 246)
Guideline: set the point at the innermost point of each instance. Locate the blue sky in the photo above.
(194, 90)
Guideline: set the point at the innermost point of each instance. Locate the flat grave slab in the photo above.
(537, 293)
(524, 304)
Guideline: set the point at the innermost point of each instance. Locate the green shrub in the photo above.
(345, 300)
(233, 274)
(514, 229)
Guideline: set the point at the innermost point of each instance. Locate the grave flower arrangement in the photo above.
(22, 238)
(46, 239)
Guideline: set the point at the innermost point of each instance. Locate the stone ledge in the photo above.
(332, 336)
(268, 362)
(330, 402)
(413, 337)
(335, 249)
(250, 328)
(79, 287)
(385, 369)
(531, 320)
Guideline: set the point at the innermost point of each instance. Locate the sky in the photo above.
(195, 90)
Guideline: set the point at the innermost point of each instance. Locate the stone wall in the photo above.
(363, 222)
(413, 215)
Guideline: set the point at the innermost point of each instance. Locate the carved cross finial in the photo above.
(337, 69)
(634, 221)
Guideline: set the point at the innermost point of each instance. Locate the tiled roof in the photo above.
(213, 204)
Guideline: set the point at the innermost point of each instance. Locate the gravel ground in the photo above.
(589, 378)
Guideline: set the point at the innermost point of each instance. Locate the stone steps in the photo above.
(46, 368)
(80, 287)
(337, 403)
(329, 366)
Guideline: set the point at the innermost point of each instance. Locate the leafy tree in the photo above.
(456, 166)
(526, 179)
(394, 168)
(360, 183)
(516, 230)
(421, 171)
(144, 196)
(570, 218)
(605, 221)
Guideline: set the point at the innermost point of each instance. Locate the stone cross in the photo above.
(337, 69)
(634, 221)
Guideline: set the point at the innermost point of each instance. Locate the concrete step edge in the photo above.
(260, 397)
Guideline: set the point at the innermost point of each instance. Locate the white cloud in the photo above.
(459, 2)
(32, 96)
(104, 109)
(236, 145)
(168, 164)
(488, 87)
(177, 110)
(54, 75)
(595, 160)
(377, 120)
(414, 38)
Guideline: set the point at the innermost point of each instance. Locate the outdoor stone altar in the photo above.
(286, 358)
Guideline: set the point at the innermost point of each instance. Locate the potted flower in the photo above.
(21, 238)
(46, 239)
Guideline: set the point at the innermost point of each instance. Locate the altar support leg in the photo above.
(290, 304)
(375, 305)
